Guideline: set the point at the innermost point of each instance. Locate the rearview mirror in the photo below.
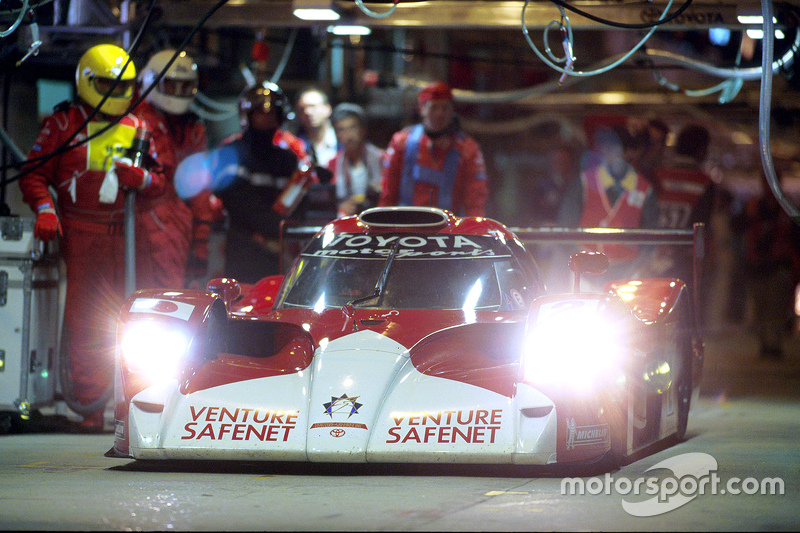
(228, 289)
(591, 263)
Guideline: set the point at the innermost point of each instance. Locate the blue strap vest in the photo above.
(414, 173)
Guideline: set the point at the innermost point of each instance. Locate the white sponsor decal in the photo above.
(585, 435)
(475, 426)
(418, 246)
(156, 306)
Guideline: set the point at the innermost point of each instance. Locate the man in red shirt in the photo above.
(87, 179)
(434, 163)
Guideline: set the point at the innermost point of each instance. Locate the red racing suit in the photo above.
(93, 244)
(685, 196)
(417, 173)
(682, 187)
(164, 223)
(626, 212)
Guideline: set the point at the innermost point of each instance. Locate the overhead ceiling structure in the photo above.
(462, 14)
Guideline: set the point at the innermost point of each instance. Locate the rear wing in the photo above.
(694, 237)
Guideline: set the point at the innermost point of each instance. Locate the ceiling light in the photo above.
(349, 30)
(316, 14)
(753, 19)
(759, 34)
(314, 10)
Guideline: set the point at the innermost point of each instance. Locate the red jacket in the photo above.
(468, 191)
(174, 138)
(626, 212)
(681, 190)
(77, 174)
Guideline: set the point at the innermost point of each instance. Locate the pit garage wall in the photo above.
(22, 125)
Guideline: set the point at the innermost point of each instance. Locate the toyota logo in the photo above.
(337, 433)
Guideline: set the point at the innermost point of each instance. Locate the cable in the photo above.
(372, 14)
(607, 22)
(133, 105)
(752, 73)
(728, 89)
(219, 112)
(17, 22)
(213, 104)
(765, 107)
(31, 6)
(571, 72)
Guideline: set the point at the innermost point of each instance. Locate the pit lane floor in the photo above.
(747, 420)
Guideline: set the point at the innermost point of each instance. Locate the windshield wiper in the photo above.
(381, 283)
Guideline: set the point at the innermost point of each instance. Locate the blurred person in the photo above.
(316, 131)
(250, 172)
(357, 166)
(685, 191)
(685, 197)
(772, 258)
(164, 223)
(88, 212)
(434, 163)
(651, 145)
(610, 194)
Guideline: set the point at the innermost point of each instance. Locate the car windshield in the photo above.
(426, 272)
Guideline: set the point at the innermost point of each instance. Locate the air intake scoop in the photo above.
(405, 217)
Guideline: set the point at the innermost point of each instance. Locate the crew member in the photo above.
(164, 223)
(264, 159)
(316, 131)
(89, 207)
(357, 165)
(434, 163)
(610, 194)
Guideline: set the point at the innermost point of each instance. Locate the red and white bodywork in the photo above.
(404, 335)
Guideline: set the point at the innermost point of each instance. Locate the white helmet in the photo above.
(176, 89)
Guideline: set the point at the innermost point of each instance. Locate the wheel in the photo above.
(683, 385)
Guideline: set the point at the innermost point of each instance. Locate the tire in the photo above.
(684, 388)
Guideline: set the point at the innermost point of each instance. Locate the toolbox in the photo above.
(29, 318)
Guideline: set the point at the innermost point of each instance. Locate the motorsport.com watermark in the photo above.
(693, 474)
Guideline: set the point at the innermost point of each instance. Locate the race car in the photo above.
(407, 334)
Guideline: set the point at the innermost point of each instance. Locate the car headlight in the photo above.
(153, 349)
(574, 347)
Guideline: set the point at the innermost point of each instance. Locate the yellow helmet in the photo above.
(97, 69)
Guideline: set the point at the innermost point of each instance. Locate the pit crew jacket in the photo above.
(685, 195)
(77, 174)
(164, 222)
(625, 212)
(416, 173)
(93, 245)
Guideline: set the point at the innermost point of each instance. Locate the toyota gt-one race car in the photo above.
(406, 335)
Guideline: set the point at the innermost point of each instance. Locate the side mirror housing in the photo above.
(583, 262)
(228, 289)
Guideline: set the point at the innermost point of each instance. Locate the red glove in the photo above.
(47, 225)
(131, 177)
